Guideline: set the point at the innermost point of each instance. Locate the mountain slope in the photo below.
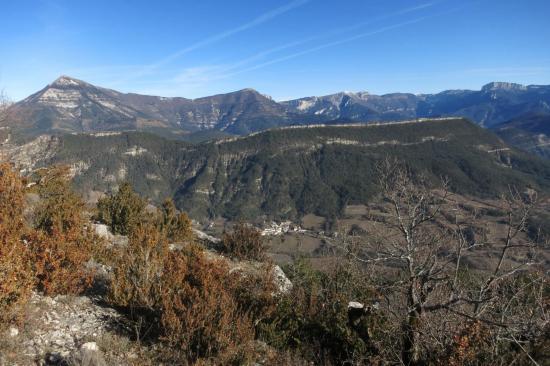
(530, 133)
(71, 105)
(360, 106)
(292, 171)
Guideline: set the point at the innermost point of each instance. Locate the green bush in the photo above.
(313, 317)
(176, 225)
(121, 211)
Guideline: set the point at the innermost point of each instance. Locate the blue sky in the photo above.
(283, 48)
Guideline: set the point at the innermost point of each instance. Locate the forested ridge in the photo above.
(292, 171)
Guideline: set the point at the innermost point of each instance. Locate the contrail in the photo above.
(220, 36)
(225, 71)
(339, 42)
(384, 17)
(327, 45)
(334, 32)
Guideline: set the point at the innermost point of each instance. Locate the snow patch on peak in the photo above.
(65, 80)
(305, 104)
(64, 99)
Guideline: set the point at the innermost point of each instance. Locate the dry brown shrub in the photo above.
(256, 291)
(138, 269)
(244, 242)
(61, 244)
(16, 279)
(200, 313)
(184, 296)
(59, 263)
(191, 300)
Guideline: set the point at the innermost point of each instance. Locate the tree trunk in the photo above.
(411, 350)
(410, 353)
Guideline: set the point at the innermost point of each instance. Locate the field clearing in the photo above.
(366, 222)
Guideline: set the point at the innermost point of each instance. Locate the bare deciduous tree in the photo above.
(418, 262)
(4, 104)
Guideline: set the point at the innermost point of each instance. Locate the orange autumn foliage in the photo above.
(61, 244)
(200, 312)
(191, 299)
(16, 278)
(244, 242)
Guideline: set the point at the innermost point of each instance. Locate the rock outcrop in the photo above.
(60, 329)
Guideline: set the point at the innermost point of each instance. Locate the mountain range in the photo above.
(69, 105)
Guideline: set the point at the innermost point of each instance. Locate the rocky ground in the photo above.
(67, 330)
(81, 330)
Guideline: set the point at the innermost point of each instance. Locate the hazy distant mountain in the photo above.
(71, 105)
(360, 106)
(494, 103)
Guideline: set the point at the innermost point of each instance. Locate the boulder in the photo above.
(103, 231)
(13, 332)
(88, 355)
(283, 283)
(205, 237)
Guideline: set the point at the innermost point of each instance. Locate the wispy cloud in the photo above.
(328, 45)
(349, 39)
(210, 73)
(218, 37)
(198, 76)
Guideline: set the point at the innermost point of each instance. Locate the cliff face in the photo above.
(32, 154)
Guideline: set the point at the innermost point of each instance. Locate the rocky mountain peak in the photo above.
(249, 90)
(65, 81)
(254, 92)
